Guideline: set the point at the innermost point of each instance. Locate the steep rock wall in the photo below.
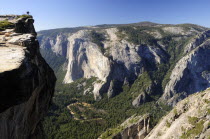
(190, 75)
(135, 127)
(27, 82)
(137, 130)
(58, 45)
(121, 62)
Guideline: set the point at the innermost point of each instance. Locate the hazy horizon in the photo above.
(118, 24)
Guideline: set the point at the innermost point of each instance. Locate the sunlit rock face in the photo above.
(188, 119)
(27, 82)
(121, 61)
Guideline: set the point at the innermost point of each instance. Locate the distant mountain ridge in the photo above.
(143, 23)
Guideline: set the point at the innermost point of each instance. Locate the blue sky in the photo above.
(49, 14)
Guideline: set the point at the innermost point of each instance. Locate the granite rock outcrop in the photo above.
(27, 81)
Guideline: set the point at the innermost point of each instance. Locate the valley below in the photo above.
(128, 81)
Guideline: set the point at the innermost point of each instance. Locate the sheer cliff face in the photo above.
(120, 58)
(27, 82)
(191, 73)
(85, 59)
(121, 61)
(135, 127)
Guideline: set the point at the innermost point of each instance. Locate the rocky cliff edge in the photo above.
(27, 82)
